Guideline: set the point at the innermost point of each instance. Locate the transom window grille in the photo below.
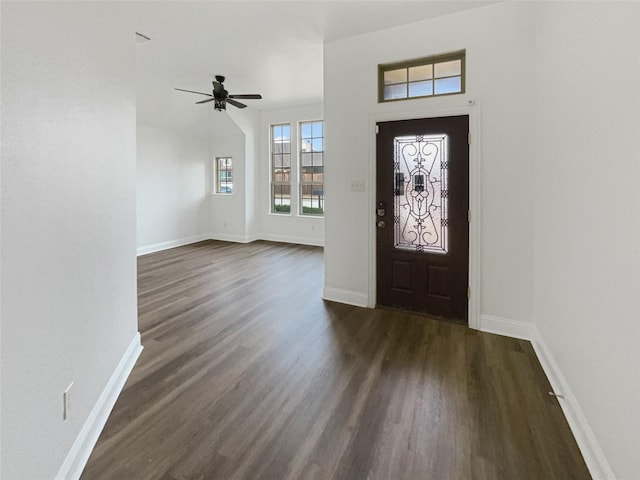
(312, 168)
(281, 168)
(424, 77)
(224, 175)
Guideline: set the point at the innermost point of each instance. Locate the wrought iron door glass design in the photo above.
(420, 193)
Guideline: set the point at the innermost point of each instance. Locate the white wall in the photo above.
(499, 47)
(559, 120)
(172, 188)
(294, 227)
(68, 221)
(587, 214)
(228, 211)
(175, 183)
(247, 122)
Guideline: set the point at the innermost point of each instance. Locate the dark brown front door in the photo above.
(422, 215)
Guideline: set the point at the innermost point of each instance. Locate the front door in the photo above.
(422, 216)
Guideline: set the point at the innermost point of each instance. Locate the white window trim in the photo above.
(299, 168)
(214, 177)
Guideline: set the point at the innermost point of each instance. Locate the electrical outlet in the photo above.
(66, 402)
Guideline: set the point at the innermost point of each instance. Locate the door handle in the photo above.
(381, 224)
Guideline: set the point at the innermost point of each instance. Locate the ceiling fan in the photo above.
(221, 96)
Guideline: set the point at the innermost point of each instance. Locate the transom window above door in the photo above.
(422, 77)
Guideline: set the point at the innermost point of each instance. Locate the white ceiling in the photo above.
(269, 47)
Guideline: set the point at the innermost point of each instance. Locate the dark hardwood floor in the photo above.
(248, 374)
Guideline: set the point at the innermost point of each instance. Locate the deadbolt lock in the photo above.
(381, 212)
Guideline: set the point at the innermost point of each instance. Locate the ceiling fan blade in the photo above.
(218, 89)
(236, 104)
(248, 96)
(191, 91)
(205, 101)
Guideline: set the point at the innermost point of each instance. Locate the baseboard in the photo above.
(597, 463)
(316, 242)
(592, 453)
(506, 327)
(230, 237)
(349, 297)
(157, 247)
(85, 441)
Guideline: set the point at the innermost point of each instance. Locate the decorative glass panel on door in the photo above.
(420, 193)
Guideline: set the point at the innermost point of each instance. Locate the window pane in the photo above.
(448, 85)
(421, 193)
(281, 198)
(312, 198)
(422, 77)
(395, 91)
(448, 69)
(395, 76)
(307, 174)
(311, 193)
(281, 168)
(318, 174)
(317, 129)
(305, 130)
(224, 175)
(419, 89)
(423, 72)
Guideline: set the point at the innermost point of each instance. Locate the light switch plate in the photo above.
(357, 185)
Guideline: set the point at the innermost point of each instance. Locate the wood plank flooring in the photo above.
(248, 374)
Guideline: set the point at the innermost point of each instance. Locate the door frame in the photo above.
(472, 109)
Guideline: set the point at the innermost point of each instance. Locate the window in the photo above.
(224, 175)
(281, 168)
(424, 77)
(312, 168)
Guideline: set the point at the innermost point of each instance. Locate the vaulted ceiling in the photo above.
(269, 47)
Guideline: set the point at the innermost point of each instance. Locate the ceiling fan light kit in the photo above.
(221, 97)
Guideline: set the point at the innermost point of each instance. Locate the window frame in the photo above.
(272, 182)
(418, 62)
(217, 180)
(301, 182)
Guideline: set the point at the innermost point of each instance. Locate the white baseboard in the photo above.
(78, 456)
(358, 299)
(597, 463)
(508, 328)
(156, 247)
(316, 242)
(231, 237)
